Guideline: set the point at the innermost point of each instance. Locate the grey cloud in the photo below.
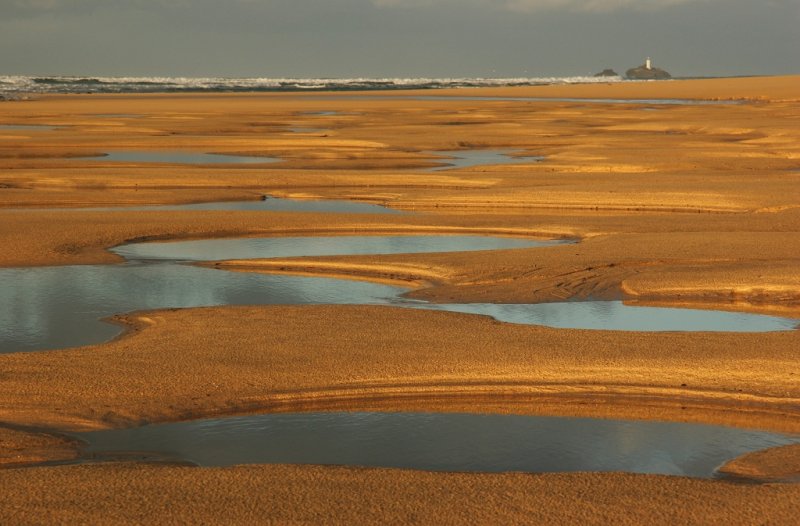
(39, 8)
(438, 38)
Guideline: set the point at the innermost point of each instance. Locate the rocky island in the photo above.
(647, 72)
(608, 72)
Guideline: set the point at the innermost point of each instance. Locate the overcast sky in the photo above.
(396, 38)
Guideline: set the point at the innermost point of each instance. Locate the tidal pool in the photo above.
(307, 130)
(269, 204)
(274, 247)
(666, 102)
(617, 316)
(442, 442)
(445, 98)
(57, 307)
(467, 158)
(180, 157)
(32, 127)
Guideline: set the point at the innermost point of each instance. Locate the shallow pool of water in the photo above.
(307, 130)
(274, 247)
(32, 127)
(270, 204)
(445, 98)
(57, 307)
(181, 157)
(615, 315)
(467, 158)
(443, 442)
(668, 102)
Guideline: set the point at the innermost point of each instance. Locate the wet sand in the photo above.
(25, 447)
(775, 464)
(689, 205)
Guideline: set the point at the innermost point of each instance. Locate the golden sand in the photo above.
(183, 364)
(138, 494)
(686, 205)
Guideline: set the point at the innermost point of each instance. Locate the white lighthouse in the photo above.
(647, 64)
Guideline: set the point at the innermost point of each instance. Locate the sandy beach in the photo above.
(692, 205)
(334, 495)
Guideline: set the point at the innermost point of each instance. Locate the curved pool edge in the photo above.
(488, 442)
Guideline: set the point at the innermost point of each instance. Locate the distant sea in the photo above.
(18, 86)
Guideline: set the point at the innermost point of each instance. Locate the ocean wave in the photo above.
(57, 80)
(84, 84)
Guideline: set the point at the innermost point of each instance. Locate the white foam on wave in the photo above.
(81, 84)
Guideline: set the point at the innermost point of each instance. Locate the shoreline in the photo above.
(671, 86)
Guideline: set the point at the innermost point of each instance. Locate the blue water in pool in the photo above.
(456, 98)
(271, 247)
(468, 158)
(57, 307)
(28, 127)
(268, 204)
(442, 442)
(181, 157)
